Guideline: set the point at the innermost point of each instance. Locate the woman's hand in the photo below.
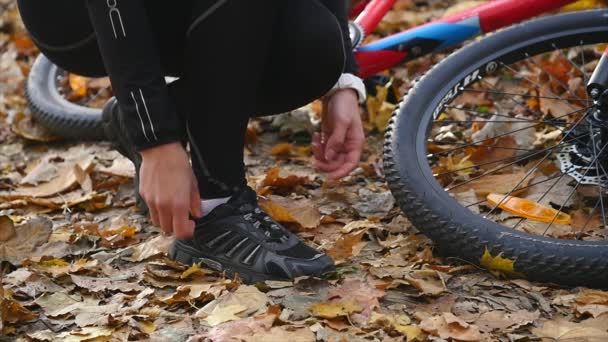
(169, 188)
(338, 148)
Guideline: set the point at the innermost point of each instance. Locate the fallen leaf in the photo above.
(346, 247)
(303, 211)
(244, 327)
(13, 312)
(562, 330)
(121, 167)
(99, 284)
(28, 236)
(594, 302)
(221, 314)
(503, 184)
(248, 298)
(68, 176)
(27, 128)
(449, 326)
(282, 150)
(335, 309)
(498, 263)
(7, 228)
(78, 85)
(159, 245)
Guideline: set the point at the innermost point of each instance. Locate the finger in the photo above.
(153, 215)
(165, 217)
(335, 142)
(183, 228)
(325, 166)
(350, 163)
(317, 147)
(195, 201)
(343, 170)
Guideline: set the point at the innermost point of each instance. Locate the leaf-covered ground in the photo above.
(80, 263)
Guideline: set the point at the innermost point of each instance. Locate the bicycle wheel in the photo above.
(495, 156)
(51, 108)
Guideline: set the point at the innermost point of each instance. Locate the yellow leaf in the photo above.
(190, 271)
(412, 332)
(221, 314)
(498, 263)
(582, 5)
(335, 309)
(147, 326)
(281, 150)
(78, 85)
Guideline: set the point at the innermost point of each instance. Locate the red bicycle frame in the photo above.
(389, 51)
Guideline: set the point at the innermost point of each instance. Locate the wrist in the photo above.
(351, 82)
(161, 150)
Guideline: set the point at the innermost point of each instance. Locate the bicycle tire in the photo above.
(53, 111)
(456, 230)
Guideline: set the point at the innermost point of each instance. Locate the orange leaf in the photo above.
(281, 150)
(78, 84)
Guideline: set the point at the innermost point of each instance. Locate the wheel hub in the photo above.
(579, 160)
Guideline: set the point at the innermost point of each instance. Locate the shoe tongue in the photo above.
(246, 196)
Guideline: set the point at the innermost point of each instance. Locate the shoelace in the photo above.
(262, 221)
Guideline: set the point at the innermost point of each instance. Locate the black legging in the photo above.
(248, 58)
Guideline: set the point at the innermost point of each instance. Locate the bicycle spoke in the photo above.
(522, 95)
(578, 236)
(598, 170)
(497, 161)
(573, 190)
(535, 83)
(518, 189)
(555, 78)
(499, 136)
(533, 169)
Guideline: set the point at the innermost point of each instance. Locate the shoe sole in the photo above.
(187, 255)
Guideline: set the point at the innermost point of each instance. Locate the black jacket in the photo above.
(132, 60)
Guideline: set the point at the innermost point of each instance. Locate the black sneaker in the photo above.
(116, 133)
(239, 237)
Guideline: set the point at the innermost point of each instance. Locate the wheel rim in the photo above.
(468, 146)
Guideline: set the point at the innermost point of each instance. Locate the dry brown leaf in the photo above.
(7, 228)
(501, 320)
(68, 176)
(25, 127)
(346, 247)
(221, 314)
(13, 312)
(449, 326)
(594, 302)
(98, 284)
(158, 245)
(121, 167)
(243, 327)
(501, 184)
(336, 309)
(366, 295)
(28, 236)
(280, 185)
(245, 301)
(427, 281)
(302, 211)
(562, 330)
(554, 107)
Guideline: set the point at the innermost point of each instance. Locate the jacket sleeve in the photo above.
(339, 10)
(131, 58)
